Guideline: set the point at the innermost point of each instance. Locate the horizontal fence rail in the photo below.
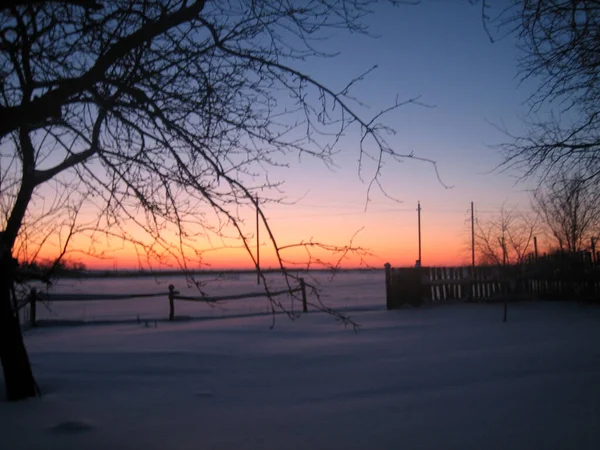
(92, 297)
(173, 295)
(234, 297)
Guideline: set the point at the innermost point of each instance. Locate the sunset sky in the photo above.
(440, 51)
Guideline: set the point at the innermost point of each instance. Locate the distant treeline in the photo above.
(211, 272)
(79, 270)
(47, 268)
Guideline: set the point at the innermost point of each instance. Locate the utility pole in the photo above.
(419, 262)
(472, 277)
(257, 244)
(472, 237)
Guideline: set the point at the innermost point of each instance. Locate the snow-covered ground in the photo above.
(437, 377)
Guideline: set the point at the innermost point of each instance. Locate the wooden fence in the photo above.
(415, 285)
(174, 295)
(35, 296)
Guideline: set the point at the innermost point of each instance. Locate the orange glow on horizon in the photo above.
(237, 259)
(380, 236)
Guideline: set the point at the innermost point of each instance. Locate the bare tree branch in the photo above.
(560, 48)
(505, 238)
(570, 210)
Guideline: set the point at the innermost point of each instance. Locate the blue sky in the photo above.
(440, 51)
(437, 50)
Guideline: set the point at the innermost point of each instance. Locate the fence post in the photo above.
(303, 288)
(472, 286)
(388, 286)
(32, 307)
(171, 302)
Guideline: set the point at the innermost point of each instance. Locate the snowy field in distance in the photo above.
(442, 377)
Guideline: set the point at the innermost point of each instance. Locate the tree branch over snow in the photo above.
(163, 120)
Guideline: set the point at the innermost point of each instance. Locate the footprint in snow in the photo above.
(204, 394)
(73, 426)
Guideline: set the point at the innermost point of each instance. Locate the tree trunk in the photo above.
(18, 377)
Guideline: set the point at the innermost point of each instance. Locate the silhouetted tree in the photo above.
(505, 238)
(569, 208)
(165, 115)
(560, 40)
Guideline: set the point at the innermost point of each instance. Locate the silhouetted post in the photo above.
(257, 244)
(535, 247)
(472, 237)
(32, 307)
(593, 251)
(171, 302)
(472, 277)
(506, 282)
(303, 289)
(388, 286)
(419, 222)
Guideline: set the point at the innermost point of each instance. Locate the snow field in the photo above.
(440, 377)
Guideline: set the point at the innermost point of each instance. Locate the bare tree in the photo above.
(569, 208)
(561, 51)
(162, 119)
(505, 238)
